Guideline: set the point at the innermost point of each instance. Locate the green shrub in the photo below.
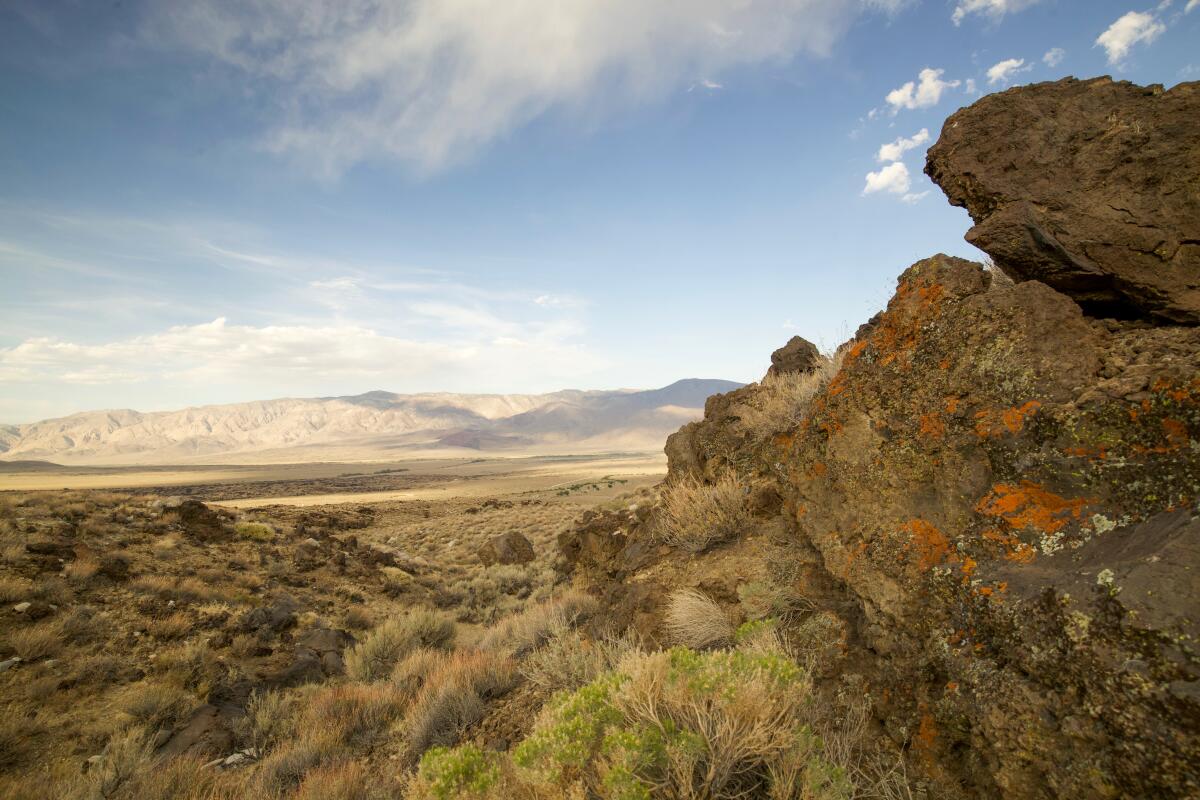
(681, 723)
(465, 771)
(258, 531)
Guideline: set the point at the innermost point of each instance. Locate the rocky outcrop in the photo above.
(798, 355)
(1091, 187)
(993, 508)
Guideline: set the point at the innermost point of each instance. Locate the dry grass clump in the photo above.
(43, 640)
(176, 626)
(567, 660)
(191, 666)
(156, 705)
(165, 587)
(374, 657)
(783, 401)
(454, 698)
(761, 600)
(14, 590)
(413, 671)
(358, 618)
(81, 570)
(693, 620)
(319, 729)
(522, 633)
(697, 515)
(270, 719)
(345, 781)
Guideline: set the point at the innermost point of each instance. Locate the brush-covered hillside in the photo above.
(957, 559)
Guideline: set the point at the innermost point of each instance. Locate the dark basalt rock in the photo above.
(1092, 187)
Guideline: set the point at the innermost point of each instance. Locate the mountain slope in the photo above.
(382, 419)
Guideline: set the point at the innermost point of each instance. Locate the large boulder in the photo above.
(1092, 187)
(798, 355)
(507, 548)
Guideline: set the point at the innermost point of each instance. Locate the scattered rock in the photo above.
(21, 608)
(1092, 192)
(115, 567)
(9, 663)
(202, 523)
(507, 548)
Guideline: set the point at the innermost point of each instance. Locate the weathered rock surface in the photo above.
(993, 505)
(798, 355)
(1092, 187)
(507, 548)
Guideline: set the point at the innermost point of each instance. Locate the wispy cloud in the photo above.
(993, 9)
(431, 81)
(894, 151)
(1004, 71)
(1055, 55)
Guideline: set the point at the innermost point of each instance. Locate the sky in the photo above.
(209, 201)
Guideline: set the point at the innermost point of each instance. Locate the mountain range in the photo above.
(376, 423)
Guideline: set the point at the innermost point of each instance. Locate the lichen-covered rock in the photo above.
(1088, 186)
(998, 494)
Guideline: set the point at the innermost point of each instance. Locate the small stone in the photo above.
(21, 608)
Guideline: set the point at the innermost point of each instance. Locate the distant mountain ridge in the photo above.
(591, 420)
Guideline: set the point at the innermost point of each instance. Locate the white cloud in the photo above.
(970, 88)
(1003, 71)
(1191, 4)
(995, 9)
(1133, 28)
(894, 151)
(912, 197)
(1055, 55)
(893, 179)
(925, 92)
(297, 356)
(431, 81)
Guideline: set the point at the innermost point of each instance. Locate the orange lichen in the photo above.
(944, 364)
(926, 739)
(993, 423)
(1028, 505)
(818, 469)
(952, 404)
(1176, 433)
(838, 384)
(968, 569)
(855, 351)
(931, 545)
(932, 426)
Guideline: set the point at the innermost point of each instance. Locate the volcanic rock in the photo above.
(507, 548)
(1088, 186)
(798, 355)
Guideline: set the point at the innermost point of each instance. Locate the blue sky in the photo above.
(218, 200)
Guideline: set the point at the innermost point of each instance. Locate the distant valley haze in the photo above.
(376, 425)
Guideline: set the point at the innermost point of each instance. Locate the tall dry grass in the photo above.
(696, 515)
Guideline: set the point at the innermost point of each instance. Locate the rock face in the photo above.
(1091, 187)
(507, 548)
(993, 504)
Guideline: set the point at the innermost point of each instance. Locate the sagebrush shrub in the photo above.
(376, 655)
